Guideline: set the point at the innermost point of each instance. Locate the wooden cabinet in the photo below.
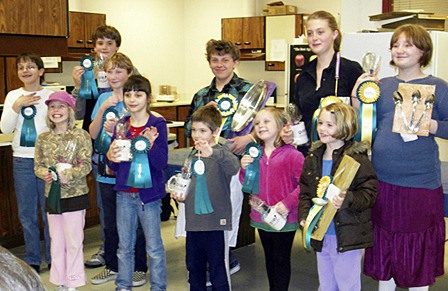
(39, 25)
(281, 31)
(82, 25)
(8, 77)
(247, 33)
(37, 17)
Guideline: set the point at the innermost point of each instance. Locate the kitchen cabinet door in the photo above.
(244, 32)
(281, 29)
(253, 32)
(37, 17)
(82, 25)
(92, 21)
(231, 30)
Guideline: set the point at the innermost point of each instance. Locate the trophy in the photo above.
(368, 92)
(100, 60)
(121, 129)
(269, 214)
(297, 126)
(66, 161)
(371, 63)
(413, 109)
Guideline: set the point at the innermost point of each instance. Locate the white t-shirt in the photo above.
(12, 121)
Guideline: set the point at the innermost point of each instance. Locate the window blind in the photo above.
(438, 7)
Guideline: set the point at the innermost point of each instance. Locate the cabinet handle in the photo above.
(247, 42)
(79, 41)
(237, 43)
(89, 41)
(271, 64)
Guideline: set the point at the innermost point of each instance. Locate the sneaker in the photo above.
(72, 289)
(105, 276)
(97, 260)
(138, 279)
(61, 288)
(207, 276)
(234, 266)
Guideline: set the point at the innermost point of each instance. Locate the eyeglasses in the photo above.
(29, 68)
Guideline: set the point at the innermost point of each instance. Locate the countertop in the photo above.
(6, 139)
(174, 103)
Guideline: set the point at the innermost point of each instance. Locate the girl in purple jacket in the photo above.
(280, 166)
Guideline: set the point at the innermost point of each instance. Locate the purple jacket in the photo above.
(158, 159)
(279, 180)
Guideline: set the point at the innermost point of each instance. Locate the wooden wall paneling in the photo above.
(2, 80)
(12, 80)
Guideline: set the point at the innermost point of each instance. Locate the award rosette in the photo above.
(368, 94)
(324, 102)
(88, 85)
(315, 212)
(28, 133)
(103, 141)
(53, 202)
(140, 173)
(227, 105)
(202, 204)
(251, 182)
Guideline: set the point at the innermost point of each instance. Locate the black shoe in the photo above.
(49, 267)
(36, 268)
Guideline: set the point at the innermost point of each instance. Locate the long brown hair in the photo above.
(324, 15)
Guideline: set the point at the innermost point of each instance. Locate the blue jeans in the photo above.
(99, 202)
(109, 199)
(30, 194)
(130, 210)
(204, 247)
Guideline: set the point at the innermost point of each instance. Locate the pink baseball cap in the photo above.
(62, 96)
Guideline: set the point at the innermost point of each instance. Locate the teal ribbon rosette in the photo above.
(140, 173)
(28, 133)
(316, 210)
(53, 203)
(251, 182)
(227, 105)
(202, 204)
(88, 89)
(103, 141)
(368, 94)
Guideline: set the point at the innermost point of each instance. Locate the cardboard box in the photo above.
(279, 10)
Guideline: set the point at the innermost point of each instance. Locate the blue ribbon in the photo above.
(227, 105)
(102, 143)
(202, 204)
(28, 133)
(54, 196)
(140, 173)
(88, 87)
(251, 182)
(358, 135)
(312, 225)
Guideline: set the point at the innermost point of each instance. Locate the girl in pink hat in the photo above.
(63, 160)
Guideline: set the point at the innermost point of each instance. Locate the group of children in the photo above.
(60, 155)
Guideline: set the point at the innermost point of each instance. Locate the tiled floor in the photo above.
(252, 275)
